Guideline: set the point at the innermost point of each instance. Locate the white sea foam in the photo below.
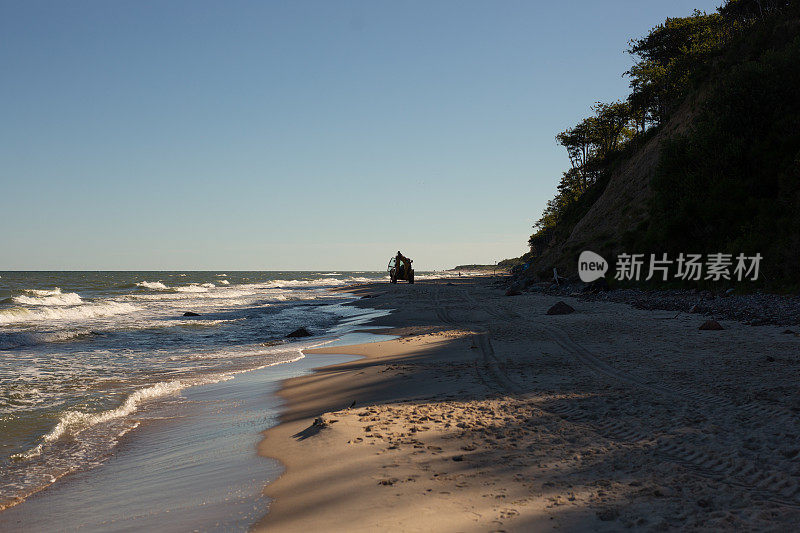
(155, 285)
(195, 287)
(48, 297)
(319, 282)
(16, 315)
(72, 423)
(77, 437)
(44, 292)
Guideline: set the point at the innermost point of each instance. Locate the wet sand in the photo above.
(195, 469)
(487, 414)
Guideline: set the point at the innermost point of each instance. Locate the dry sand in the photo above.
(488, 415)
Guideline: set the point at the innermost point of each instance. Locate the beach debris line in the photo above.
(561, 308)
(299, 332)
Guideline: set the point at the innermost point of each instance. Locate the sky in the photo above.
(303, 135)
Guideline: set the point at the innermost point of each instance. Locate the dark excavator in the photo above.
(400, 268)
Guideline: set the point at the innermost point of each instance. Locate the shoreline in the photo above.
(488, 414)
(324, 459)
(191, 470)
(92, 355)
(191, 459)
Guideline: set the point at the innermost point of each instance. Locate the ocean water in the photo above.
(86, 357)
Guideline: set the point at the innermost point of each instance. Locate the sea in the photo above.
(87, 357)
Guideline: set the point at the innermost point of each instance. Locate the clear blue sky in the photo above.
(294, 135)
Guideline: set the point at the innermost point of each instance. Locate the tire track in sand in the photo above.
(710, 459)
(495, 374)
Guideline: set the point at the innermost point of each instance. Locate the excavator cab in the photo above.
(400, 269)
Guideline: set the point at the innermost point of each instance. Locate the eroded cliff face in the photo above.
(623, 206)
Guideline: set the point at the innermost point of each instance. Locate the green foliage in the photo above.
(668, 58)
(748, 11)
(507, 264)
(611, 127)
(590, 145)
(732, 184)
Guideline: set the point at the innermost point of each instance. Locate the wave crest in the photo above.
(154, 285)
(16, 315)
(73, 422)
(18, 339)
(48, 297)
(196, 287)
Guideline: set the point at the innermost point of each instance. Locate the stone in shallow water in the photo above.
(190, 313)
(299, 332)
(711, 325)
(560, 308)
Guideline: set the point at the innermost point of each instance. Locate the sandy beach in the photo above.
(455, 267)
(487, 414)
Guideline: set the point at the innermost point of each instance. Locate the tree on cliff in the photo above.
(666, 59)
(733, 176)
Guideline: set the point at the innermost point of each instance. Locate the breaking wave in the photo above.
(16, 315)
(48, 297)
(64, 347)
(320, 282)
(72, 423)
(196, 287)
(155, 285)
(44, 292)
